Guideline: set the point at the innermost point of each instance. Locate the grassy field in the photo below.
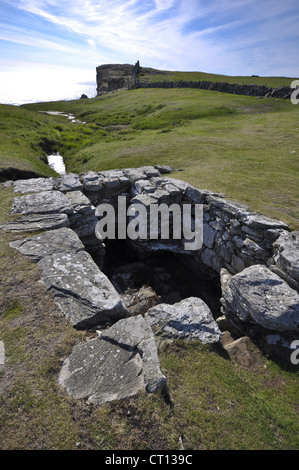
(152, 75)
(242, 146)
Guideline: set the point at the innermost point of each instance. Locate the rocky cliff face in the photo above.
(111, 77)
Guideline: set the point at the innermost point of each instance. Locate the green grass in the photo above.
(153, 75)
(244, 147)
(21, 135)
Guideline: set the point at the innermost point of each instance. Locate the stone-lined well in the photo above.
(246, 275)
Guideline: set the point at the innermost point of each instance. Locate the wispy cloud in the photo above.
(237, 37)
(175, 33)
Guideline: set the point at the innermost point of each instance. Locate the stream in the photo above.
(55, 161)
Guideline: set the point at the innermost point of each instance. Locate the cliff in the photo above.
(111, 77)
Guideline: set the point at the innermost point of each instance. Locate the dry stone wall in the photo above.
(256, 257)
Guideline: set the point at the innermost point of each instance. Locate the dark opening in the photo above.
(144, 281)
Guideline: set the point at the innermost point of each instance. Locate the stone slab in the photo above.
(120, 363)
(36, 223)
(84, 294)
(46, 202)
(47, 243)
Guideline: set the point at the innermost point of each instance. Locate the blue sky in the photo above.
(49, 49)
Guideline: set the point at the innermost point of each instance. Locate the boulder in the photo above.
(33, 185)
(188, 319)
(258, 296)
(45, 202)
(84, 294)
(118, 364)
(36, 222)
(47, 243)
(286, 254)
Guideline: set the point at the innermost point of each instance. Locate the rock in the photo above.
(33, 185)
(45, 244)
(164, 169)
(120, 363)
(84, 293)
(7, 184)
(83, 220)
(68, 182)
(35, 223)
(286, 254)
(259, 296)
(45, 202)
(208, 235)
(139, 301)
(262, 222)
(243, 352)
(188, 319)
(224, 278)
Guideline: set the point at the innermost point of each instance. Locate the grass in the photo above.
(153, 75)
(242, 146)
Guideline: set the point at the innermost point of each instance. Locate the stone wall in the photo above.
(256, 257)
(234, 88)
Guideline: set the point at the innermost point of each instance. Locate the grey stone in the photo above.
(257, 295)
(210, 258)
(48, 243)
(35, 223)
(80, 203)
(262, 222)
(208, 235)
(46, 202)
(237, 263)
(231, 208)
(164, 169)
(120, 363)
(135, 174)
(7, 184)
(33, 185)
(188, 319)
(286, 254)
(69, 182)
(92, 181)
(84, 293)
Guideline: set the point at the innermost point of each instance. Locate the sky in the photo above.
(49, 49)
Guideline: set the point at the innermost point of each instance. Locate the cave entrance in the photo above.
(164, 277)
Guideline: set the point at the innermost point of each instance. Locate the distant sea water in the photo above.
(17, 97)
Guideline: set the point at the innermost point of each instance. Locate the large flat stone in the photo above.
(33, 185)
(47, 243)
(258, 296)
(188, 319)
(84, 293)
(46, 202)
(36, 222)
(120, 363)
